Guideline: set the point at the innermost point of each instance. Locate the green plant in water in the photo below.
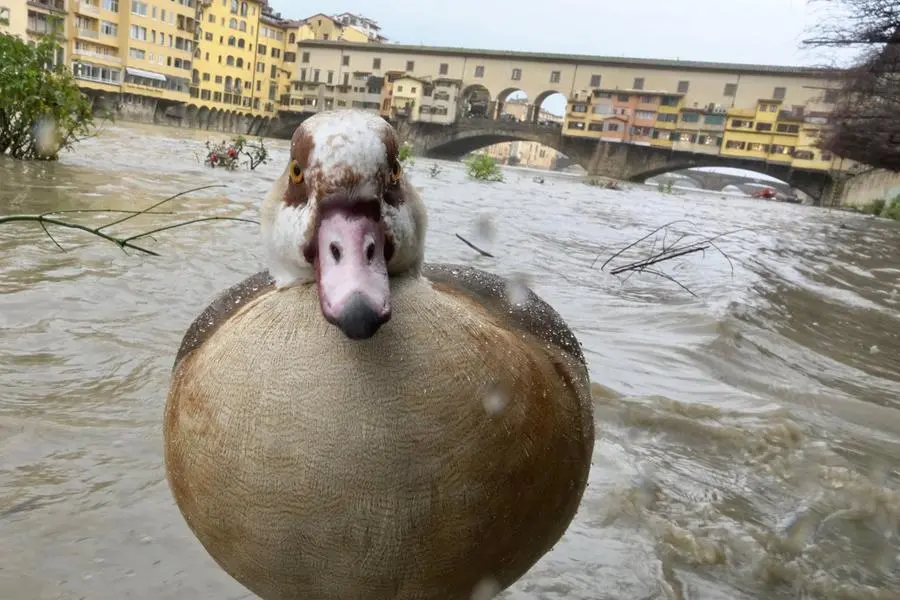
(666, 187)
(42, 111)
(892, 210)
(405, 155)
(483, 168)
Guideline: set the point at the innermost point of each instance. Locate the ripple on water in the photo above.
(748, 436)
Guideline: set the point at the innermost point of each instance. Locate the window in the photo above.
(206, 77)
(611, 126)
(260, 49)
(107, 28)
(276, 53)
(638, 83)
(645, 115)
(735, 145)
(649, 99)
(666, 118)
(670, 101)
(595, 126)
(690, 117)
(111, 5)
(137, 53)
(764, 127)
(345, 60)
(290, 57)
(683, 87)
(376, 63)
(779, 93)
(229, 61)
(239, 63)
(579, 108)
(740, 123)
(714, 119)
(139, 33)
(138, 8)
(444, 69)
(330, 78)
(400, 88)
(410, 65)
(316, 75)
(730, 90)
(292, 39)
(479, 71)
(785, 128)
(554, 78)
(243, 9)
(304, 58)
(595, 81)
(576, 125)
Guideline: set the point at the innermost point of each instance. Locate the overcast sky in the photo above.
(745, 31)
(754, 31)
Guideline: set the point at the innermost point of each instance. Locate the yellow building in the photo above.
(13, 17)
(765, 133)
(323, 27)
(99, 44)
(226, 70)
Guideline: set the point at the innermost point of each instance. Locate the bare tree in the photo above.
(865, 124)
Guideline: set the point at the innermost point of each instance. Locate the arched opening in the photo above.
(507, 149)
(203, 118)
(229, 61)
(292, 39)
(513, 106)
(729, 181)
(232, 41)
(213, 119)
(241, 43)
(476, 102)
(549, 109)
(254, 126)
(191, 115)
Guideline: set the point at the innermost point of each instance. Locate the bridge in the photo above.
(624, 161)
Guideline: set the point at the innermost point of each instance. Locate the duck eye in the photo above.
(296, 172)
(396, 171)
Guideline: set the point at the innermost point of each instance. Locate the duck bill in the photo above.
(351, 272)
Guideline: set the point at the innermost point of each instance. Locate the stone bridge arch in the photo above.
(452, 143)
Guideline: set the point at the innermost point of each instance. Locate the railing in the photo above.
(88, 33)
(97, 79)
(56, 5)
(101, 56)
(88, 8)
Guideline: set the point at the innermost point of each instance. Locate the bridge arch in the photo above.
(555, 97)
(513, 104)
(476, 101)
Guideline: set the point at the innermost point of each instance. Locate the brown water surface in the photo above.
(748, 438)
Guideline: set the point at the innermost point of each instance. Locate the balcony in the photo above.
(92, 34)
(97, 55)
(87, 8)
(51, 5)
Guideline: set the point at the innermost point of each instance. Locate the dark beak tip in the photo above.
(359, 321)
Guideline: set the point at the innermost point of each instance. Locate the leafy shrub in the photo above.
(483, 168)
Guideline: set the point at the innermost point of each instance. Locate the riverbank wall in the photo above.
(156, 111)
(864, 189)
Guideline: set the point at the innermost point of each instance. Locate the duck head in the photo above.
(343, 214)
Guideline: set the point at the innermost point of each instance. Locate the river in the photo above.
(748, 437)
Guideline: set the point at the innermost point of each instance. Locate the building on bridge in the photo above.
(759, 113)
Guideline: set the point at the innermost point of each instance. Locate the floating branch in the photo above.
(474, 247)
(681, 247)
(48, 218)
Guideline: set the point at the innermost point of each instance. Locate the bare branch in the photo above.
(474, 247)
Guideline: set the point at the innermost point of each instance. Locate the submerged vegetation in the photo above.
(883, 208)
(483, 168)
(42, 110)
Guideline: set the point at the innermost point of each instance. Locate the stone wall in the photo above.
(873, 185)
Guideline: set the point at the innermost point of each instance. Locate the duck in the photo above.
(355, 423)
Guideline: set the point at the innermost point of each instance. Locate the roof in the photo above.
(652, 63)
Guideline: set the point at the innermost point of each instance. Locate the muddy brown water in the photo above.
(748, 438)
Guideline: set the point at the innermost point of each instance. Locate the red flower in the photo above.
(213, 157)
(232, 152)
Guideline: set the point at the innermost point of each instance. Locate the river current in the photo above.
(748, 435)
